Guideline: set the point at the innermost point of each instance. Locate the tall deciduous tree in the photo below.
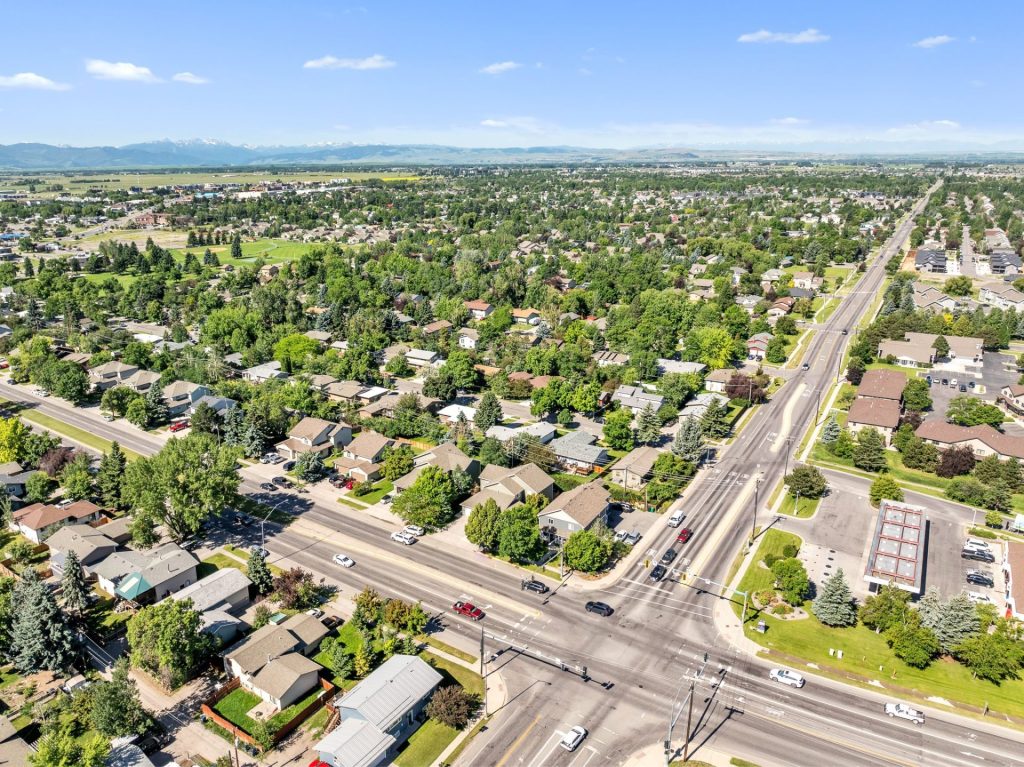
(618, 429)
(429, 500)
(117, 710)
(484, 525)
(167, 640)
(63, 748)
(884, 487)
(587, 551)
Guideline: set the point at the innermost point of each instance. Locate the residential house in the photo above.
(322, 337)
(542, 430)
(110, 374)
(781, 307)
(770, 278)
(147, 576)
(930, 261)
(666, 366)
(320, 382)
(607, 358)
(268, 272)
(450, 414)
(446, 457)
(141, 381)
(917, 349)
(284, 680)
(983, 439)
(507, 487)
(636, 398)
(883, 384)
(806, 281)
(1005, 262)
(419, 358)
(181, 396)
(1012, 397)
(1002, 297)
(757, 345)
(39, 521)
(124, 753)
(268, 371)
(578, 509)
(362, 456)
(749, 303)
(13, 478)
(632, 470)
(433, 328)
(577, 452)
(468, 338)
(379, 714)
(931, 299)
(716, 380)
(226, 589)
(344, 391)
(90, 545)
(314, 435)
(478, 310)
(219, 405)
(698, 405)
(267, 662)
(882, 415)
(526, 316)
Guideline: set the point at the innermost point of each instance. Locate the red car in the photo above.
(684, 535)
(178, 426)
(468, 610)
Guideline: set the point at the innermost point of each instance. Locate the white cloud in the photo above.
(934, 42)
(119, 70)
(31, 81)
(926, 129)
(189, 78)
(793, 38)
(585, 72)
(500, 67)
(788, 121)
(376, 61)
(515, 124)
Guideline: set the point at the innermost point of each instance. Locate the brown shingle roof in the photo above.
(882, 384)
(584, 503)
(951, 434)
(875, 412)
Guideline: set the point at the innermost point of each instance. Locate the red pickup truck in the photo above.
(468, 610)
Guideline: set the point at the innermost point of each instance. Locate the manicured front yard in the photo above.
(380, 489)
(426, 744)
(453, 672)
(235, 707)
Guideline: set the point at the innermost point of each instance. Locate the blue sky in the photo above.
(608, 74)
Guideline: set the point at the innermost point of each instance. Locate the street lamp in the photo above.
(753, 511)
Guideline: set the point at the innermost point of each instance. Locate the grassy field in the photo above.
(453, 672)
(758, 578)
(805, 510)
(216, 562)
(426, 744)
(124, 279)
(447, 648)
(267, 251)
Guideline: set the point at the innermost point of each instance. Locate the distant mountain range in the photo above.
(206, 153)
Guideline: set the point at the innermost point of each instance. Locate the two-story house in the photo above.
(180, 396)
(314, 435)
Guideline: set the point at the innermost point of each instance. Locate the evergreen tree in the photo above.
(5, 508)
(236, 246)
(110, 474)
(252, 438)
(28, 268)
(834, 604)
(155, 407)
(488, 412)
(648, 425)
(74, 592)
(689, 442)
(258, 571)
(830, 432)
(40, 637)
(234, 427)
(953, 622)
(941, 347)
(870, 451)
(714, 421)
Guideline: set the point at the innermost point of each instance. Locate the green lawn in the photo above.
(102, 617)
(217, 561)
(566, 482)
(806, 509)
(285, 715)
(453, 672)
(380, 489)
(315, 724)
(235, 707)
(71, 432)
(267, 251)
(758, 578)
(124, 279)
(447, 648)
(426, 744)
(351, 504)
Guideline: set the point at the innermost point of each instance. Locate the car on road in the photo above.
(599, 608)
(669, 556)
(414, 530)
(677, 518)
(657, 573)
(341, 559)
(572, 739)
(468, 610)
(108, 416)
(978, 555)
(282, 481)
(684, 535)
(534, 585)
(268, 486)
(403, 537)
(805, 366)
(903, 711)
(785, 676)
(844, 331)
(178, 426)
(42, 392)
(980, 578)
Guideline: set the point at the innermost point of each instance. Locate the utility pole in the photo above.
(483, 675)
(753, 512)
(789, 441)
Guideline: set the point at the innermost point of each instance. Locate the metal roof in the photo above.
(388, 693)
(897, 552)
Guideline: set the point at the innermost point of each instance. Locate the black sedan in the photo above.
(600, 608)
(980, 578)
(269, 487)
(657, 573)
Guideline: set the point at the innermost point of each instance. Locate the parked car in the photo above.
(599, 608)
(341, 559)
(903, 711)
(785, 676)
(844, 331)
(387, 499)
(338, 482)
(108, 416)
(669, 556)
(271, 458)
(259, 550)
(945, 381)
(980, 578)
(657, 573)
(288, 466)
(268, 486)
(468, 610)
(684, 535)
(178, 426)
(534, 585)
(963, 388)
(978, 598)
(978, 555)
(977, 543)
(970, 384)
(316, 613)
(572, 739)
(403, 537)
(282, 481)
(414, 530)
(953, 383)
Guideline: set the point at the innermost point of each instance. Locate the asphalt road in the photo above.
(640, 660)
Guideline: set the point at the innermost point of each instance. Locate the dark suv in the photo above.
(599, 608)
(980, 578)
(657, 573)
(535, 586)
(669, 556)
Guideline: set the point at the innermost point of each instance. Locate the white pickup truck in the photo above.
(903, 711)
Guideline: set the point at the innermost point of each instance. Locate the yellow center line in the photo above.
(517, 742)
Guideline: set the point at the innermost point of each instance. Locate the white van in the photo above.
(677, 518)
